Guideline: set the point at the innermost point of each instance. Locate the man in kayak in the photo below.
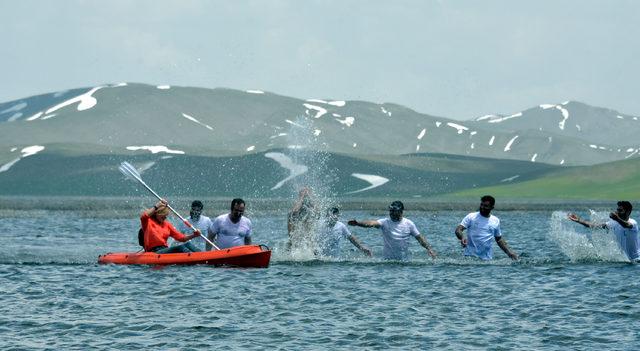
(157, 230)
(231, 229)
(332, 233)
(301, 220)
(624, 228)
(396, 231)
(482, 227)
(197, 220)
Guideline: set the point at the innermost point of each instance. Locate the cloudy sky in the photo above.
(458, 59)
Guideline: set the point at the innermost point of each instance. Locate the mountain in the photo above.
(220, 140)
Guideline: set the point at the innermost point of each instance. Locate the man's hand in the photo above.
(367, 251)
(431, 253)
(196, 233)
(513, 256)
(463, 242)
(573, 217)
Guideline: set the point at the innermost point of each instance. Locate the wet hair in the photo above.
(236, 201)
(626, 205)
(333, 211)
(197, 203)
(489, 198)
(162, 211)
(397, 205)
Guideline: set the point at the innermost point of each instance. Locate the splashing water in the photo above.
(584, 244)
(306, 148)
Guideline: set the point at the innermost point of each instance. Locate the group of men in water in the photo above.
(307, 224)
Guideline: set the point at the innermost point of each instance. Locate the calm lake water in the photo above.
(572, 289)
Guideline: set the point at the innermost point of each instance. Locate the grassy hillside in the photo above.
(610, 181)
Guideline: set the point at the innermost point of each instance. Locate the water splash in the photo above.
(311, 152)
(584, 244)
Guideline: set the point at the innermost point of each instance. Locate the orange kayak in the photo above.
(239, 256)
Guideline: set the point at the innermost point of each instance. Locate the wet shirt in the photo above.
(203, 224)
(627, 238)
(396, 236)
(329, 239)
(156, 234)
(481, 232)
(230, 234)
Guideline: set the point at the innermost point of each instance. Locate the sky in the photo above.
(458, 59)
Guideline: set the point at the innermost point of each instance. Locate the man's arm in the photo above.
(460, 235)
(247, 240)
(354, 240)
(503, 245)
(426, 245)
(364, 224)
(622, 222)
(575, 218)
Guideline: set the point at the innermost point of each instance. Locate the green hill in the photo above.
(609, 181)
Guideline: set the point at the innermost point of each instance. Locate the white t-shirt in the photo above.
(203, 224)
(230, 234)
(396, 237)
(329, 239)
(627, 238)
(481, 232)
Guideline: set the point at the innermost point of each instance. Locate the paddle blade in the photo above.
(129, 171)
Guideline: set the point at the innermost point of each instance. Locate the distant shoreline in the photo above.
(217, 204)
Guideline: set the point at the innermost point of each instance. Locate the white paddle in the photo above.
(131, 173)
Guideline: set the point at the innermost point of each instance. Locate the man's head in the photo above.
(487, 203)
(624, 209)
(333, 214)
(395, 210)
(237, 209)
(196, 210)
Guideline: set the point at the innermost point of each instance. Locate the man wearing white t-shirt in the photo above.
(199, 221)
(396, 231)
(624, 229)
(231, 229)
(482, 228)
(332, 233)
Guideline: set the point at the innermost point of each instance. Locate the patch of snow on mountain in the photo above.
(295, 147)
(123, 84)
(86, 101)
(422, 133)
(15, 108)
(619, 117)
(533, 159)
(26, 152)
(374, 180)
(630, 149)
(13, 149)
(164, 87)
(317, 132)
(317, 100)
(547, 106)
(438, 124)
(293, 123)
(388, 113)
(485, 117)
(14, 117)
(562, 162)
(473, 145)
(493, 137)
(550, 139)
(251, 148)
(337, 103)
(473, 133)
(34, 117)
(459, 127)
(285, 162)
(191, 118)
(348, 121)
(593, 146)
(355, 145)
(578, 127)
(321, 111)
(276, 136)
(49, 116)
(565, 116)
(508, 147)
(510, 179)
(633, 153)
(498, 120)
(255, 91)
(60, 93)
(417, 147)
(155, 149)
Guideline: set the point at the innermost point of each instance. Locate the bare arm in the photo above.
(503, 245)
(211, 236)
(364, 224)
(575, 218)
(622, 222)
(460, 235)
(354, 240)
(247, 240)
(424, 243)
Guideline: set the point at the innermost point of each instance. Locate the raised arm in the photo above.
(616, 217)
(503, 245)
(575, 218)
(364, 224)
